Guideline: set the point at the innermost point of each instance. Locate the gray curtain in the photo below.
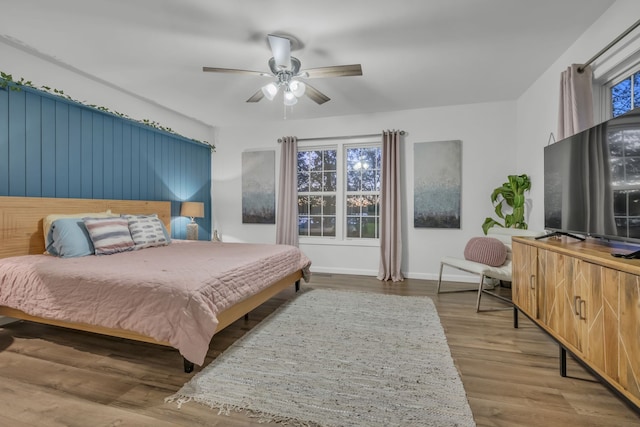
(287, 209)
(390, 209)
(575, 112)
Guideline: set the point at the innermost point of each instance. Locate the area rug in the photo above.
(337, 358)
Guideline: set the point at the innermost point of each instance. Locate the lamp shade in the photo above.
(192, 209)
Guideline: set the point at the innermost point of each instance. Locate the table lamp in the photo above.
(192, 210)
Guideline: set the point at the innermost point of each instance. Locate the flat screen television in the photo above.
(592, 181)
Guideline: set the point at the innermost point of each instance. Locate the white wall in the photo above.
(44, 71)
(537, 108)
(487, 132)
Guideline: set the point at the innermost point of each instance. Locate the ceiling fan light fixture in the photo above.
(270, 90)
(289, 98)
(297, 88)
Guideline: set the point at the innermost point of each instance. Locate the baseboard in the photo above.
(422, 276)
(349, 271)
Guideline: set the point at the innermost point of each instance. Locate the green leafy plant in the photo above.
(511, 194)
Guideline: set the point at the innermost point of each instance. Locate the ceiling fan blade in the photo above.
(235, 71)
(256, 96)
(335, 71)
(281, 49)
(315, 95)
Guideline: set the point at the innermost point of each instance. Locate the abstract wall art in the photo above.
(437, 184)
(259, 187)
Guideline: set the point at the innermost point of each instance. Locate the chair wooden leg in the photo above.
(479, 292)
(440, 278)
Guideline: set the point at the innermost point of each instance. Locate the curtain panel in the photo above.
(575, 112)
(287, 209)
(390, 209)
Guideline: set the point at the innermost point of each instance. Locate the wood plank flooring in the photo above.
(55, 377)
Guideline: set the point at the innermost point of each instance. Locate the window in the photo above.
(625, 95)
(338, 191)
(317, 177)
(363, 192)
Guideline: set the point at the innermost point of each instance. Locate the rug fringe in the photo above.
(226, 409)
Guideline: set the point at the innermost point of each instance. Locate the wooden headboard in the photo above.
(21, 218)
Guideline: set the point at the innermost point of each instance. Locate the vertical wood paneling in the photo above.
(75, 151)
(117, 159)
(136, 162)
(97, 155)
(53, 147)
(17, 143)
(86, 155)
(145, 188)
(107, 157)
(155, 172)
(48, 111)
(127, 154)
(34, 145)
(62, 150)
(4, 141)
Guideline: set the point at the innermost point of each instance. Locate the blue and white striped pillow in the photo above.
(109, 235)
(147, 231)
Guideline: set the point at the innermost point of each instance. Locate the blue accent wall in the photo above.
(54, 147)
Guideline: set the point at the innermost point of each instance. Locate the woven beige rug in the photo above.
(338, 358)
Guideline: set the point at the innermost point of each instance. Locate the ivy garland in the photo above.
(7, 82)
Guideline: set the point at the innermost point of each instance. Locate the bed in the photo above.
(178, 295)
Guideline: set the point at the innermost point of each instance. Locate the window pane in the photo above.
(303, 160)
(330, 160)
(369, 228)
(315, 226)
(315, 205)
(621, 97)
(369, 180)
(353, 227)
(303, 181)
(353, 158)
(373, 203)
(353, 205)
(315, 160)
(303, 205)
(330, 181)
(636, 90)
(329, 226)
(315, 181)
(354, 183)
(303, 225)
(329, 205)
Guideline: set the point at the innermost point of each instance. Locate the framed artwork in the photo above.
(437, 184)
(259, 187)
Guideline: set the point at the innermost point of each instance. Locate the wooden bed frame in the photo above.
(21, 233)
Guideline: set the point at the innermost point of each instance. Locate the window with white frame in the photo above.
(339, 191)
(625, 94)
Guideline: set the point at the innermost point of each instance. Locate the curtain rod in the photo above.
(327, 138)
(609, 46)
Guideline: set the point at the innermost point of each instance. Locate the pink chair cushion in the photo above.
(486, 250)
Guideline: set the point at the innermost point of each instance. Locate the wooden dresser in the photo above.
(588, 301)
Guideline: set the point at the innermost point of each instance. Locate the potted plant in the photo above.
(511, 194)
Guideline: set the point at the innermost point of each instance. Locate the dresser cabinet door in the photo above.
(524, 278)
(629, 336)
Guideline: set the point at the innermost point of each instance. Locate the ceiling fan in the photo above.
(286, 70)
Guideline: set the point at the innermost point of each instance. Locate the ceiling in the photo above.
(414, 53)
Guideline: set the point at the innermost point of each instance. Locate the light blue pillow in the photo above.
(69, 238)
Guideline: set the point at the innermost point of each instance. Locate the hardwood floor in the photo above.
(55, 377)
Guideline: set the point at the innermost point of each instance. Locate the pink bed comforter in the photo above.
(171, 293)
